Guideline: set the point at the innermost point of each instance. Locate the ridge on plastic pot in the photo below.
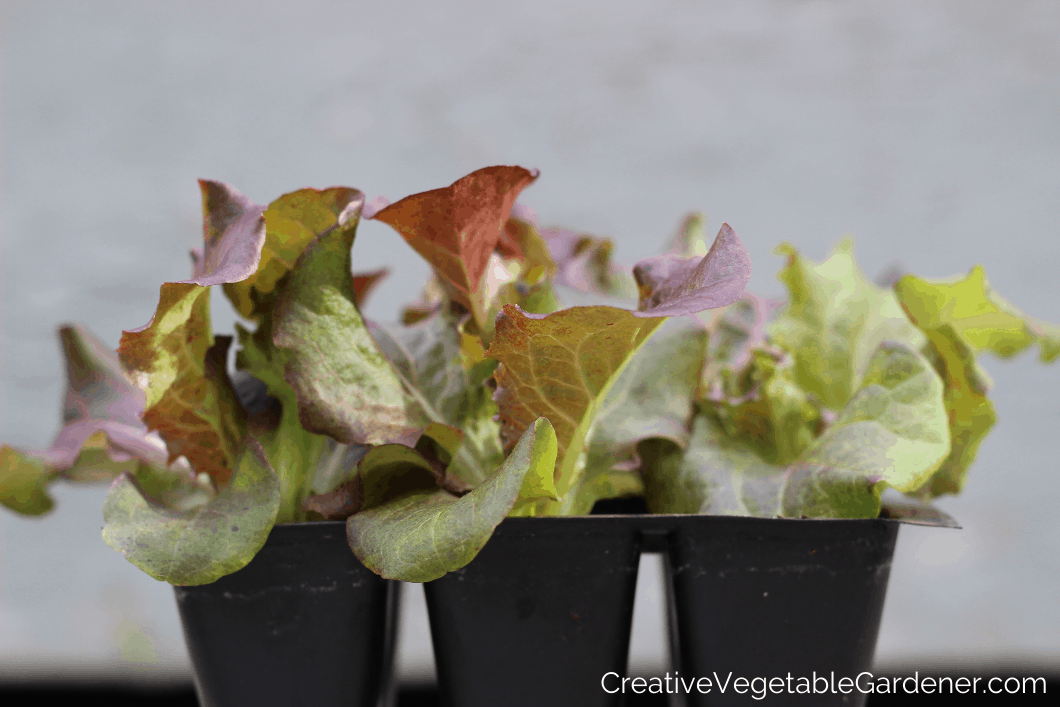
(303, 624)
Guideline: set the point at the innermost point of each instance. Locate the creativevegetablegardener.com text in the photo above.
(865, 683)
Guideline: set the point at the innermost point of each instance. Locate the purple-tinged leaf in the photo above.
(189, 398)
(102, 435)
(584, 264)
(671, 286)
(233, 233)
(290, 224)
(690, 241)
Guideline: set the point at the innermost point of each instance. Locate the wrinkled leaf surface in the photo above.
(421, 535)
(200, 545)
(892, 432)
(833, 322)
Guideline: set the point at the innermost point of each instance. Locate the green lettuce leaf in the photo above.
(647, 400)
(962, 318)
(561, 366)
(523, 242)
(345, 386)
(429, 358)
(892, 432)
(306, 463)
(971, 414)
(290, 223)
(447, 376)
(833, 322)
(387, 471)
(201, 544)
(977, 314)
(24, 481)
(420, 535)
(652, 397)
(763, 407)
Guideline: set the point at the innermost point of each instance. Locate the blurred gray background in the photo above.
(927, 129)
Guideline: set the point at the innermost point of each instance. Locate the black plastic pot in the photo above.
(304, 623)
(769, 598)
(538, 616)
(545, 610)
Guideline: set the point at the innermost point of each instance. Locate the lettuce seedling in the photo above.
(424, 436)
(491, 399)
(850, 388)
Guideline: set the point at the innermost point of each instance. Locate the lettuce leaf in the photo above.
(584, 263)
(647, 400)
(345, 386)
(201, 544)
(764, 407)
(691, 237)
(419, 536)
(102, 434)
(522, 241)
(189, 398)
(291, 223)
(364, 283)
(670, 286)
(971, 414)
(963, 318)
(447, 375)
(24, 481)
(833, 322)
(980, 316)
(457, 228)
(562, 365)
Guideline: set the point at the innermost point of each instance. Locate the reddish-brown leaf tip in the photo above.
(458, 227)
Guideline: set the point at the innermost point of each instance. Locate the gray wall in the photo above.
(928, 129)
